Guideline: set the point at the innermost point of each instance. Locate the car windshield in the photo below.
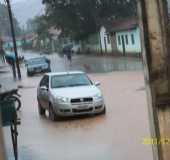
(70, 80)
(36, 61)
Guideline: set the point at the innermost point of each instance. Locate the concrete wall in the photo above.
(129, 47)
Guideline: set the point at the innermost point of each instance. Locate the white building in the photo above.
(126, 33)
(115, 37)
(105, 40)
(129, 40)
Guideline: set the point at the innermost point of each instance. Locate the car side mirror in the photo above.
(44, 88)
(97, 83)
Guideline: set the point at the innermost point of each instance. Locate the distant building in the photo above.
(126, 36)
(99, 42)
(105, 40)
(116, 37)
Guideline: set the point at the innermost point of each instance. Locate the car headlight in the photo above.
(62, 99)
(98, 96)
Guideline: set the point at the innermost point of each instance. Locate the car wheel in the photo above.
(52, 114)
(41, 110)
(102, 112)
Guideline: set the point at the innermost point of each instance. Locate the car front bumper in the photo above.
(66, 110)
(38, 70)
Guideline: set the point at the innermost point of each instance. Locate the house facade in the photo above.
(129, 41)
(116, 37)
(126, 36)
(105, 40)
(99, 42)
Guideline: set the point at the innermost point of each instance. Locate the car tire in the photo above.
(52, 115)
(102, 112)
(41, 110)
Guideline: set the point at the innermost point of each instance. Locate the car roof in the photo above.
(64, 73)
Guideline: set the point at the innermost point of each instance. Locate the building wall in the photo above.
(132, 45)
(99, 42)
(105, 41)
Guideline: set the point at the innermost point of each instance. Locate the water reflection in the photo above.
(106, 64)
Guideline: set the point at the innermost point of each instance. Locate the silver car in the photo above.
(66, 94)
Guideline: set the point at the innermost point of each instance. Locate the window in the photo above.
(132, 39)
(126, 37)
(119, 40)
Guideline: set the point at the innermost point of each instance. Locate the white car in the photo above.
(66, 94)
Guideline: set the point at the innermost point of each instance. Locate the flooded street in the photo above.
(117, 135)
(121, 45)
(91, 64)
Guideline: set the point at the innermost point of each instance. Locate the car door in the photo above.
(43, 95)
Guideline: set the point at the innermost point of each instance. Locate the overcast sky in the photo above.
(27, 9)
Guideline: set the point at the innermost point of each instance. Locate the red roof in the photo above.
(122, 24)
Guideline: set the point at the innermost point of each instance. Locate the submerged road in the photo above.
(118, 135)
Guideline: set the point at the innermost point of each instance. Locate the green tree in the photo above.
(39, 25)
(79, 18)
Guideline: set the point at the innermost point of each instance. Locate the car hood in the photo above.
(76, 92)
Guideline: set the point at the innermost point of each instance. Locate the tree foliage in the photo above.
(79, 18)
(41, 27)
(5, 28)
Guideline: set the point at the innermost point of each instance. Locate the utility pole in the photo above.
(156, 57)
(14, 39)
